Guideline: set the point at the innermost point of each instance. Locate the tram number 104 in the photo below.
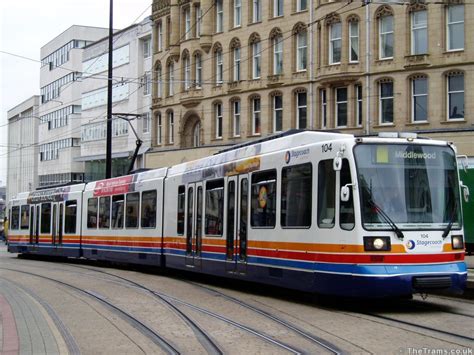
(326, 148)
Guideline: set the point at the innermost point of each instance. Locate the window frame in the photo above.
(142, 205)
(332, 41)
(448, 97)
(236, 117)
(413, 100)
(277, 110)
(381, 99)
(323, 107)
(351, 39)
(301, 51)
(256, 116)
(310, 195)
(419, 28)
(384, 35)
(219, 58)
(300, 107)
(218, 122)
(359, 104)
(219, 16)
(448, 28)
(277, 42)
(256, 60)
(237, 15)
(237, 59)
(339, 103)
(255, 174)
(219, 185)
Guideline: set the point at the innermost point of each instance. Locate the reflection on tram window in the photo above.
(215, 207)
(180, 217)
(25, 217)
(92, 213)
(45, 218)
(70, 217)
(296, 193)
(118, 204)
(346, 210)
(15, 218)
(326, 194)
(133, 202)
(104, 212)
(263, 202)
(149, 209)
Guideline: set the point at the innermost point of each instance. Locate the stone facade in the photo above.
(344, 66)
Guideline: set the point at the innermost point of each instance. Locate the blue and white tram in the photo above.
(315, 211)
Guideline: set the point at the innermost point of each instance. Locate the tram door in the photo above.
(37, 224)
(237, 226)
(32, 223)
(194, 226)
(55, 224)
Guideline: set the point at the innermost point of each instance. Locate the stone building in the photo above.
(230, 71)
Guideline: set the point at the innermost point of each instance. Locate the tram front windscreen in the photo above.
(416, 186)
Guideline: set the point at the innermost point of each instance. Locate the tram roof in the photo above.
(268, 145)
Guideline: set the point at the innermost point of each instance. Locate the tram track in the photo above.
(149, 333)
(169, 299)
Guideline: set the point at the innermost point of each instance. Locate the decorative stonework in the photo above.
(417, 60)
(332, 18)
(160, 8)
(299, 27)
(353, 18)
(235, 43)
(254, 38)
(275, 32)
(383, 10)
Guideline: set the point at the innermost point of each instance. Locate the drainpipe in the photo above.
(367, 66)
(311, 64)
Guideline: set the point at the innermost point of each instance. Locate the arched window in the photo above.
(236, 59)
(276, 38)
(353, 22)
(186, 68)
(197, 135)
(384, 16)
(277, 110)
(334, 26)
(455, 95)
(170, 78)
(255, 45)
(158, 82)
(301, 46)
(418, 14)
(198, 70)
(419, 98)
(386, 101)
(256, 114)
(218, 64)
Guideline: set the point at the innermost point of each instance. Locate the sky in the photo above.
(26, 26)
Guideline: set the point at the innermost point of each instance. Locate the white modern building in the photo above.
(60, 105)
(22, 171)
(132, 63)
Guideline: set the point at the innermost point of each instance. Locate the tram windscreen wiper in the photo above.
(384, 215)
(451, 220)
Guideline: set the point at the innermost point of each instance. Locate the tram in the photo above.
(319, 212)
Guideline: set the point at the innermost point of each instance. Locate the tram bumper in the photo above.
(379, 281)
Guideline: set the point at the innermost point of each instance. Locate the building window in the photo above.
(335, 43)
(198, 67)
(278, 55)
(170, 127)
(301, 114)
(218, 122)
(341, 107)
(219, 16)
(277, 113)
(159, 129)
(187, 23)
(237, 13)
(277, 8)
(354, 41)
(455, 27)
(256, 111)
(419, 111)
(146, 48)
(160, 36)
(219, 67)
(236, 71)
(198, 21)
(236, 118)
(159, 76)
(324, 108)
(170, 79)
(187, 73)
(256, 60)
(419, 32)
(456, 96)
(146, 122)
(256, 11)
(359, 117)
(301, 5)
(386, 103)
(197, 135)
(386, 37)
(146, 84)
(301, 50)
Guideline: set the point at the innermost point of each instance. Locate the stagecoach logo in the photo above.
(411, 244)
(295, 154)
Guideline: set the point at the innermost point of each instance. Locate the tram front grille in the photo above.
(432, 282)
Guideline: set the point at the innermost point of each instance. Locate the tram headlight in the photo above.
(377, 244)
(457, 242)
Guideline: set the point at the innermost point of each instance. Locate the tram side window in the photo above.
(149, 209)
(346, 212)
(15, 217)
(180, 219)
(326, 194)
(296, 196)
(215, 207)
(45, 218)
(104, 212)
(92, 213)
(263, 203)
(70, 217)
(118, 203)
(133, 203)
(25, 217)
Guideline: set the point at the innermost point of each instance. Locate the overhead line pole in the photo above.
(108, 150)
